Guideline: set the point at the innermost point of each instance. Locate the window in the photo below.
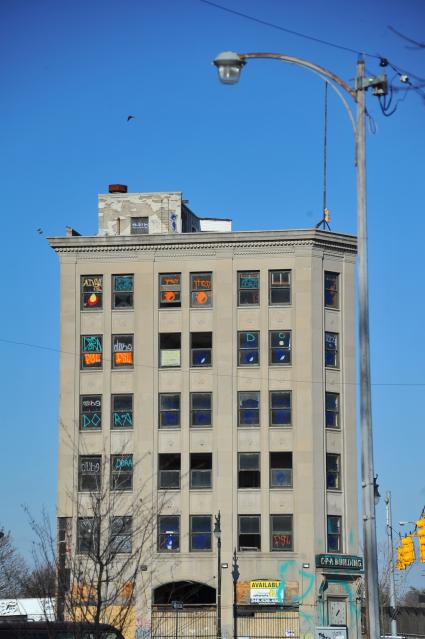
(169, 350)
(168, 533)
(122, 291)
(248, 288)
(331, 350)
(169, 471)
(249, 470)
(281, 470)
(200, 409)
(280, 347)
(249, 532)
(200, 532)
(88, 530)
(280, 408)
(139, 225)
(331, 290)
(279, 287)
(200, 349)
(333, 471)
(200, 290)
(90, 412)
(248, 348)
(89, 472)
(122, 411)
(200, 470)
(170, 290)
(249, 408)
(169, 410)
(332, 410)
(121, 472)
(91, 292)
(334, 534)
(121, 533)
(281, 532)
(91, 351)
(122, 351)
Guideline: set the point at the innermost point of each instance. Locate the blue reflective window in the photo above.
(331, 350)
(200, 349)
(281, 469)
(280, 408)
(334, 536)
(331, 290)
(168, 533)
(200, 532)
(249, 408)
(201, 409)
(280, 347)
(169, 410)
(248, 348)
(332, 410)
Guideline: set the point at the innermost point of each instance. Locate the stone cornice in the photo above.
(188, 243)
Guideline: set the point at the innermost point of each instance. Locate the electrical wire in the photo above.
(207, 371)
(291, 31)
(417, 89)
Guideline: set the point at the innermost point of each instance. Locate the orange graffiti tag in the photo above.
(123, 358)
(92, 358)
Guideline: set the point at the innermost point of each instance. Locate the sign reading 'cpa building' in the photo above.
(339, 562)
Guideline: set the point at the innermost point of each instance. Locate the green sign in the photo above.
(339, 562)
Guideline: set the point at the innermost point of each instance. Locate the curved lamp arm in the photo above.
(230, 64)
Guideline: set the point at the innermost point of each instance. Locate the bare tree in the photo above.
(414, 597)
(38, 582)
(98, 555)
(12, 568)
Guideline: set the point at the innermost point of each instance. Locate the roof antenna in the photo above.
(324, 222)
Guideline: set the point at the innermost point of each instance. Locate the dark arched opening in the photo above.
(189, 592)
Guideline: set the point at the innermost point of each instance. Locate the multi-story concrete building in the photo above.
(214, 371)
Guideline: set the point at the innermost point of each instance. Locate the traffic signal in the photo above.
(421, 536)
(408, 550)
(400, 561)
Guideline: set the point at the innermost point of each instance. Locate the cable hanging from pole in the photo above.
(324, 222)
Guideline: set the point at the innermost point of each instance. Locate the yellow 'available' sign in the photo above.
(264, 591)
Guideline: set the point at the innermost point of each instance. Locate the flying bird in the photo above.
(40, 231)
(130, 117)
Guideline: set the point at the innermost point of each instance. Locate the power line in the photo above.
(291, 31)
(207, 371)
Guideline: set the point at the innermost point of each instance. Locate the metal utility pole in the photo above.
(368, 484)
(391, 563)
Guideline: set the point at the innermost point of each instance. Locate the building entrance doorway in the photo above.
(184, 610)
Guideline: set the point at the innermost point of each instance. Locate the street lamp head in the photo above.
(217, 526)
(229, 65)
(376, 493)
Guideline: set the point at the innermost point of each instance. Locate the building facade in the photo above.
(210, 371)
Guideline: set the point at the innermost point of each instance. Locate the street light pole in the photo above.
(391, 564)
(230, 65)
(366, 438)
(217, 534)
(235, 577)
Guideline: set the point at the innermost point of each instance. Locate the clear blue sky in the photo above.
(71, 74)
